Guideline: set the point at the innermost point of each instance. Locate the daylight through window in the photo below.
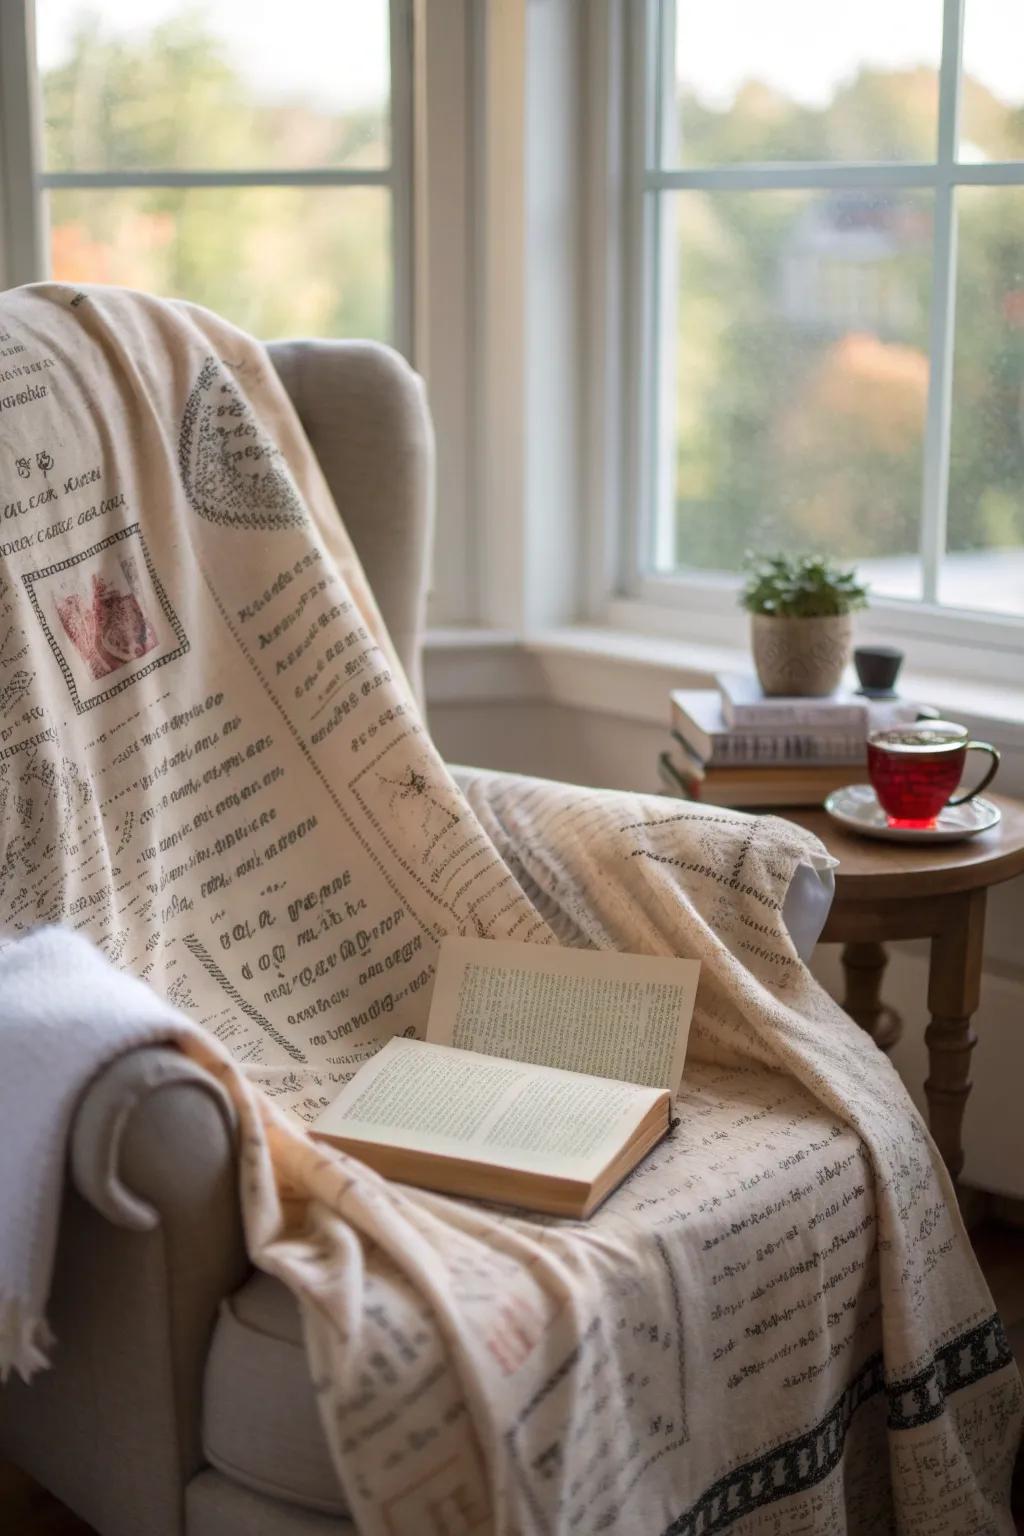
(250, 158)
(834, 212)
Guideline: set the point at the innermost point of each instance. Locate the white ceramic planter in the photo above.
(801, 657)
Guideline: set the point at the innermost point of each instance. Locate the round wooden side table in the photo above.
(915, 891)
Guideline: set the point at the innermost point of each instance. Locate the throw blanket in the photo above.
(210, 766)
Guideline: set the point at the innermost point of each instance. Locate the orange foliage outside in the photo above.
(871, 390)
(75, 257)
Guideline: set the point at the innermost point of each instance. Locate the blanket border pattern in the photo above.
(799, 1464)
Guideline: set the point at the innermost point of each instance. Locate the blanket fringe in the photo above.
(25, 1340)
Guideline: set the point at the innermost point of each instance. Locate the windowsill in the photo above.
(995, 705)
(627, 674)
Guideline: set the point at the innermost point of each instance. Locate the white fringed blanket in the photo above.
(211, 767)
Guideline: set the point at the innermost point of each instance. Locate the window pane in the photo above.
(984, 568)
(278, 261)
(796, 412)
(992, 105)
(805, 80)
(175, 84)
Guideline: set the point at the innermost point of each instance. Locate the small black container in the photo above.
(877, 668)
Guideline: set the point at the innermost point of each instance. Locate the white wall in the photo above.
(591, 747)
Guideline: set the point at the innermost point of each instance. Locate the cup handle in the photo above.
(979, 746)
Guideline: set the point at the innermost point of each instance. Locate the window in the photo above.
(832, 230)
(252, 158)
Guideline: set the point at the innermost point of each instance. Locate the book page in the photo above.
(584, 1010)
(461, 1104)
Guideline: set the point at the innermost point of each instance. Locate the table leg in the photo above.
(863, 966)
(954, 987)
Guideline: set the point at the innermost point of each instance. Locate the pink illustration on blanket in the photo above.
(108, 625)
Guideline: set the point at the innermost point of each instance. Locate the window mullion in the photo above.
(656, 12)
(796, 177)
(935, 486)
(656, 448)
(401, 88)
(639, 287)
(826, 177)
(326, 176)
(21, 205)
(659, 542)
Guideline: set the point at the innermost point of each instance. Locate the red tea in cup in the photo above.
(914, 769)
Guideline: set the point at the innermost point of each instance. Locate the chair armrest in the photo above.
(365, 413)
(115, 1151)
(150, 1244)
(808, 899)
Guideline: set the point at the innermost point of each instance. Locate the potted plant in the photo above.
(801, 623)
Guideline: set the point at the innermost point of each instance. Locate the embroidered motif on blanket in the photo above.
(232, 472)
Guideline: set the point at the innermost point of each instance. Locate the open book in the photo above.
(546, 1075)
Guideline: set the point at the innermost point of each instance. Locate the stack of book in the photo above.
(733, 746)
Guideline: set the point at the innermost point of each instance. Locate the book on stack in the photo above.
(733, 746)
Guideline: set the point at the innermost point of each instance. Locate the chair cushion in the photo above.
(261, 1426)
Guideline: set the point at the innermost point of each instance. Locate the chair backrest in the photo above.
(365, 413)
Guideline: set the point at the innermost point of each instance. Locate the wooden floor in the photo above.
(26, 1510)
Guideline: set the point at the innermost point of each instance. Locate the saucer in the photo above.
(856, 807)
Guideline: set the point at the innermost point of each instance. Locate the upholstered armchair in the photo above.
(179, 1402)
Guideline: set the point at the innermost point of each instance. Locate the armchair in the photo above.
(179, 1402)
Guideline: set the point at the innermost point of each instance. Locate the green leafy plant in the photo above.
(800, 587)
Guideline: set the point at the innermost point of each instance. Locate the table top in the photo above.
(870, 869)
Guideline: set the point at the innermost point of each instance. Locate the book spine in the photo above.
(809, 716)
(747, 747)
(687, 786)
(687, 761)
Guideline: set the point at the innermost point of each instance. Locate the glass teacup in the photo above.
(915, 769)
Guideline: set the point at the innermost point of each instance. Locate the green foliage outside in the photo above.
(802, 326)
(801, 320)
(276, 260)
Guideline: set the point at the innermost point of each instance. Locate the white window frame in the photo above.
(24, 182)
(624, 591)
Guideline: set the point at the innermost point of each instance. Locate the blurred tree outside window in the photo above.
(805, 164)
(238, 155)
